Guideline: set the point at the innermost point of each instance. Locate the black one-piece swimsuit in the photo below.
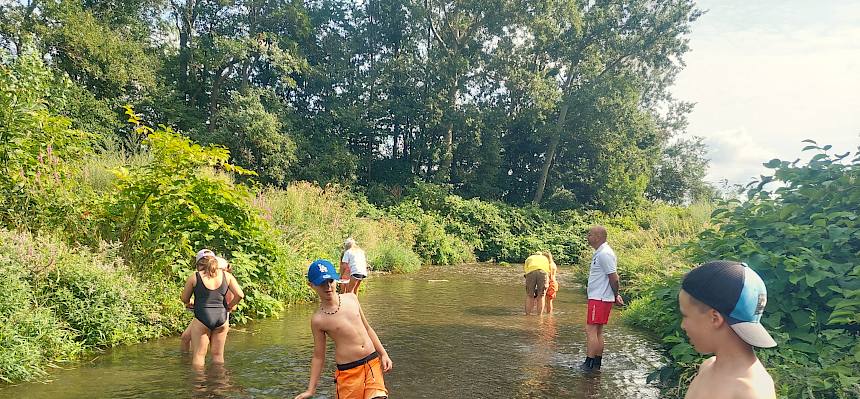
(210, 306)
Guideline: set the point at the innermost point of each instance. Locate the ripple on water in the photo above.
(461, 338)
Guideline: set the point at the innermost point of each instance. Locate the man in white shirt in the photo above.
(603, 292)
(353, 263)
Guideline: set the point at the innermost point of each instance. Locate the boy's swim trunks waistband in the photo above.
(359, 362)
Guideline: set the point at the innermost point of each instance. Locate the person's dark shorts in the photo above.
(536, 283)
(359, 276)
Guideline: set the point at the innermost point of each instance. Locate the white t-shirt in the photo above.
(357, 261)
(603, 263)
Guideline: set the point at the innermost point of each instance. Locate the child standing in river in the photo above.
(361, 358)
(552, 289)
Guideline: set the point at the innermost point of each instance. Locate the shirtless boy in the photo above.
(721, 306)
(361, 359)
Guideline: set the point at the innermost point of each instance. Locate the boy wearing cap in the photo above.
(361, 359)
(721, 306)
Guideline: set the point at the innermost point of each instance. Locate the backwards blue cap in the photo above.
(736, 291)
(321, 270)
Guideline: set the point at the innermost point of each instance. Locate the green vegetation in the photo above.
(414, 135)
(386, 93)
(803, 238)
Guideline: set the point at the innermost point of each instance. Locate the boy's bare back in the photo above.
(713, 382)
(347, 328)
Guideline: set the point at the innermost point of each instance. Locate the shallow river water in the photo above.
(452, 332)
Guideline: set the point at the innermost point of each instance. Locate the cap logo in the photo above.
(323, 269)
(762, 301)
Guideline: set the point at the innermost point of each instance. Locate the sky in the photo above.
(766, 75)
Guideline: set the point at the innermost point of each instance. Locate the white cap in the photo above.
(203, 252)
(349, 243)
(222, 263)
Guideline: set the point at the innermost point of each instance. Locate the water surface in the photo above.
(452, 332)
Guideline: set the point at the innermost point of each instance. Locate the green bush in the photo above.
(432, 243)
(37, 149)
(62, 301)
(394, 257)
(455, 230)
(803, 239)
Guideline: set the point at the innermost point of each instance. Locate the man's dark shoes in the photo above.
(591, 364)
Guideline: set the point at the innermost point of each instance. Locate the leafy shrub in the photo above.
(803, 239)
(394, 256)
(36, 147)
(61, 301)
(30, 335)
(432, 243)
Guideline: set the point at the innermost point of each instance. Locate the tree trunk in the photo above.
(550, 153)
(216, 93)
(448, 157)
(186, 16)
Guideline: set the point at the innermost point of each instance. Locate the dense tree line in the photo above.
(561, 103)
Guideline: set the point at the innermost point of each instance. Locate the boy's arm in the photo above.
(317, 362)
(186, 292)
(234, 287)
(387, 364)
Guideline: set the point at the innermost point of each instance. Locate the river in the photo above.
(452, 332)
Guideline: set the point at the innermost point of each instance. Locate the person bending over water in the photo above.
(536, 272)
(211, 309)
(361, 358)
(185, 339)
(721, 307)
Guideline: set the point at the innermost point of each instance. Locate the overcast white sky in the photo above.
(767, 74)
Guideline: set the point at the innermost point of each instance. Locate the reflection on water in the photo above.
(461, 338)
(214, 381)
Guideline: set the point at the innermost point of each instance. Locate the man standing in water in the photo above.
(603, 292)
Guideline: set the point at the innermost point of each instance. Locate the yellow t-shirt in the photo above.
(536, 262)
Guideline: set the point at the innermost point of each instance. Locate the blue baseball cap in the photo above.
(321, 270)
(737, 292)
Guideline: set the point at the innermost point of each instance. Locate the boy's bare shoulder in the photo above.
(318, 320)
(758, 387)
(755, 383)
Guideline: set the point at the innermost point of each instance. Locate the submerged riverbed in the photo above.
(452, 332)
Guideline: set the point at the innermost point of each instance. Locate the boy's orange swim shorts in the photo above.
(361, 379)
(552, 290)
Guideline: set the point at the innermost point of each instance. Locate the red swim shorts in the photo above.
(598, 311)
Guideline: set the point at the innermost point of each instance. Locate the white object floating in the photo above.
(437, 281)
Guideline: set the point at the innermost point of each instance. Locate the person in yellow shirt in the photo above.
(536, 272)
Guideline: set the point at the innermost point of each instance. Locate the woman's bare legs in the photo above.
(199, 343)
(217, 340)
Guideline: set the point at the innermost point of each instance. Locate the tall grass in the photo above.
(60, 301)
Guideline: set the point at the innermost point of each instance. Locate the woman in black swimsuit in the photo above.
(211, 318)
